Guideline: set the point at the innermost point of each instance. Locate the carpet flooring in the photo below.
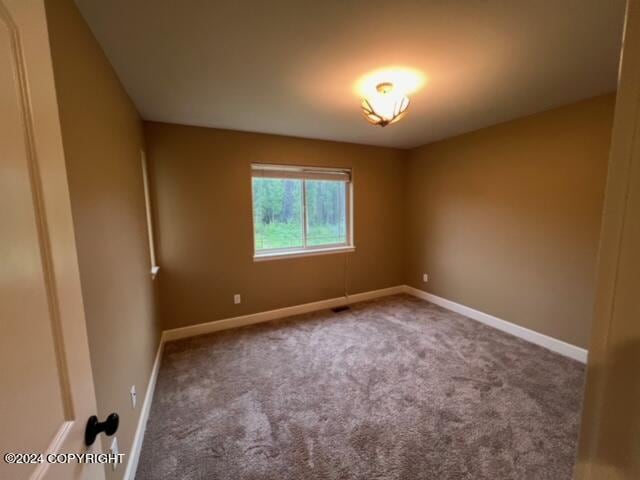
(395, 388)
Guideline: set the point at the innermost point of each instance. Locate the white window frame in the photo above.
(304, 173)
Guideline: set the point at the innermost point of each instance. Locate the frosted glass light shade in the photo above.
(385, 106)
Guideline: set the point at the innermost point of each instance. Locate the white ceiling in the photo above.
(289, 66)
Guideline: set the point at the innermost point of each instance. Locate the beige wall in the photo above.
(204, 229)
(506, 219)
(102, 137)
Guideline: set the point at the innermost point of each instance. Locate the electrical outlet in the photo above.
(134, 396)
(425, 277)
(113, 449)
(236, 298)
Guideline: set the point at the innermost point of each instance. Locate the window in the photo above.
(300, 210)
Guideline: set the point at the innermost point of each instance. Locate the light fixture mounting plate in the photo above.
(385, 87)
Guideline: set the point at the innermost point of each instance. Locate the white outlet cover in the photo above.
(134, 396)
(236, 298)
(114, 450)
(425, 277)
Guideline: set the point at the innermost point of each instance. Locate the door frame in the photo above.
(611, 316)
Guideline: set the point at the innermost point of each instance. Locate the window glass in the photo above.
(326, 212)
(278, 213)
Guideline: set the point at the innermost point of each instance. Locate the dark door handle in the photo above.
(94, 427)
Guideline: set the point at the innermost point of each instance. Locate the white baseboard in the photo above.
(550, 343)
(217, 325)
(234, 322)
(136, 446)
(545, 341)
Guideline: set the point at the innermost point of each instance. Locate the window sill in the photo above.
(262, 257)
(154, 272)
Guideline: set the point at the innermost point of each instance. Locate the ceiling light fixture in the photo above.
(386, 106)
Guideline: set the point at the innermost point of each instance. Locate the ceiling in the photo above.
(289, 66)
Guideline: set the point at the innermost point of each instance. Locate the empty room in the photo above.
(332, 240)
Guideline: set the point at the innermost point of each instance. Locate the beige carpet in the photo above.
(396, 388)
